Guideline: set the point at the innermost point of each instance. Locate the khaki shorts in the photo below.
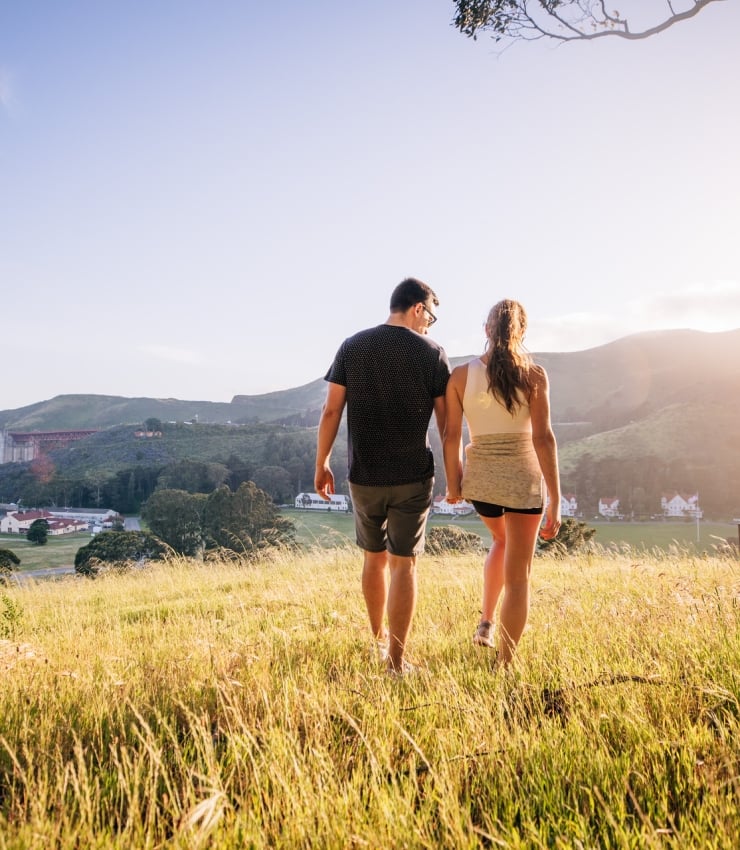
(392, 518)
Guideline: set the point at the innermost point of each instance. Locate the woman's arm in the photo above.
(546, 449)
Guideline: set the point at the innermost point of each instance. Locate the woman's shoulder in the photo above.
(538, 377)
(459, 374)
(474, 362)
(537, 371)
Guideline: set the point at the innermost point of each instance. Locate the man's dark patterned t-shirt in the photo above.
(392, 376)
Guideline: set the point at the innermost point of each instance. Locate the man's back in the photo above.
(392, 375)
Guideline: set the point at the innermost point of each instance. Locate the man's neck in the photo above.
(400, 320)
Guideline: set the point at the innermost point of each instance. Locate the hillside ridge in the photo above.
(605, 386)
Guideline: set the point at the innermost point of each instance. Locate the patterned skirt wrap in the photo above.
(503, 469)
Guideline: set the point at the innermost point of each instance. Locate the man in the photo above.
(390, 377)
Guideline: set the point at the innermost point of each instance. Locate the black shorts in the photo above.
(493, 511)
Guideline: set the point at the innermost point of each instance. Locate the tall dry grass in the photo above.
(232, 706)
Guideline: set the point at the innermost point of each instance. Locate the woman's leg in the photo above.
(493, 567)
(521, 539)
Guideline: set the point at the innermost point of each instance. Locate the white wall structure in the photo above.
(314, 502)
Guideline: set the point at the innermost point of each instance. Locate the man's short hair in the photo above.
(409, 292)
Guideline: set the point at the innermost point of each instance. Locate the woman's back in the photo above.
(485, 413)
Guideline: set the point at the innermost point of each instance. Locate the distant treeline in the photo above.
(117, 469)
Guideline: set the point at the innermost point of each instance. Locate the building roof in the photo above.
(24, 516)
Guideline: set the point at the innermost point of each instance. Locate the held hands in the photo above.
(324, 482)
(551, 526)
(453, 496)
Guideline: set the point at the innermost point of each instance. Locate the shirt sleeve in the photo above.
(442, 374)
(337, 373)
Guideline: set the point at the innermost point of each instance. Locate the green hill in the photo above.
(593, 390)
(646, 413)
(102, 411)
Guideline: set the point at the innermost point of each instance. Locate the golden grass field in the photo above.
(237, 706)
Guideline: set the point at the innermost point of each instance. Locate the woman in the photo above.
(504, 397)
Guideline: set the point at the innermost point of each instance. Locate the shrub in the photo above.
(450, 538)
(118, 549)
(10, 615)
(8, 562)
(572, 537)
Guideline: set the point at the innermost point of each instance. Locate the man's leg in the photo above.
(369, 505)
(375, 589)
(401, 605)
(407, 516)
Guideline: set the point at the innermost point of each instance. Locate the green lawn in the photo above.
(57, 552)
(665, 534)
(329, 528)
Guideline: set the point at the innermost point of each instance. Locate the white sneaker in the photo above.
(380, 650)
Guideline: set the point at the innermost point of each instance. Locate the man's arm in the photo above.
(452, 443)
(440, 414)
(331, 416)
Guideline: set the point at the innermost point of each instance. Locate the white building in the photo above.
(18, 522)
(442, 506)
(314, 502)
(100, 516)
(568, 505)
(66, 526)
(681, 505)
(609, 508)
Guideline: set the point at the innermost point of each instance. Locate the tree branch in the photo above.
(674, 18)
(562, 20)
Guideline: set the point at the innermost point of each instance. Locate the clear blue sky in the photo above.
(201, 199)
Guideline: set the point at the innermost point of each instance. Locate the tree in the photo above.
(241, 521)
(8, 562)
(118, 549)
(129, 488)
(42, 468)
(38, 532)
(300, 472)
(244, 521)
(570, 20)
(640, 508)
(239, 471)
(275, 481)
(195, 476)
(176, 517)
(94, 481)
(153, 424)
